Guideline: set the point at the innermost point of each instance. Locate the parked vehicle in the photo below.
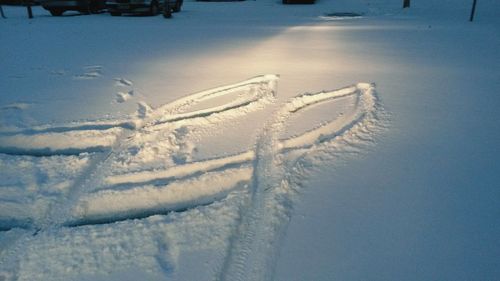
(149, 7)
(58, 7)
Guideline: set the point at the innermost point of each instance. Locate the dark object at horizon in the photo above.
(298, 1)
(343, 15)
(1, 12)
(58, 7)
(473, 10)
(406, 4)
(145, 7)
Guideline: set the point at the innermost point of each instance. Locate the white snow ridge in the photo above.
(147, 176)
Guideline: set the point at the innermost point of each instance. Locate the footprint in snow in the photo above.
(17, 76)
(122, 82)
(90, 72)
(124, 96)
(16, 106)
(58, 72)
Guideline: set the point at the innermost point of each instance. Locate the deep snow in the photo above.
(386, 181)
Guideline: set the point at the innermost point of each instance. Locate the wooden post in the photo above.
(28, 7)
(473, 10)
(1, 12)
(406, 4)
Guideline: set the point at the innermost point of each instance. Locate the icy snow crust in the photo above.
(148, 170)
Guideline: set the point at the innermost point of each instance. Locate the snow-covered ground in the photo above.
(252, 141)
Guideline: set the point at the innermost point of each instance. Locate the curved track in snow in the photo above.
(263, 220)
(148, 165)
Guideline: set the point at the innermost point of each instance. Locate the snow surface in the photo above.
(252, 141)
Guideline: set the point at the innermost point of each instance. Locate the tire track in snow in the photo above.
(106, 138)
(269, 171)
(109, 206)
(70, 142)
(155, 187)
(80, 126)
(63, 212)
(100, 136)
(258, 91)
(253, 249)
